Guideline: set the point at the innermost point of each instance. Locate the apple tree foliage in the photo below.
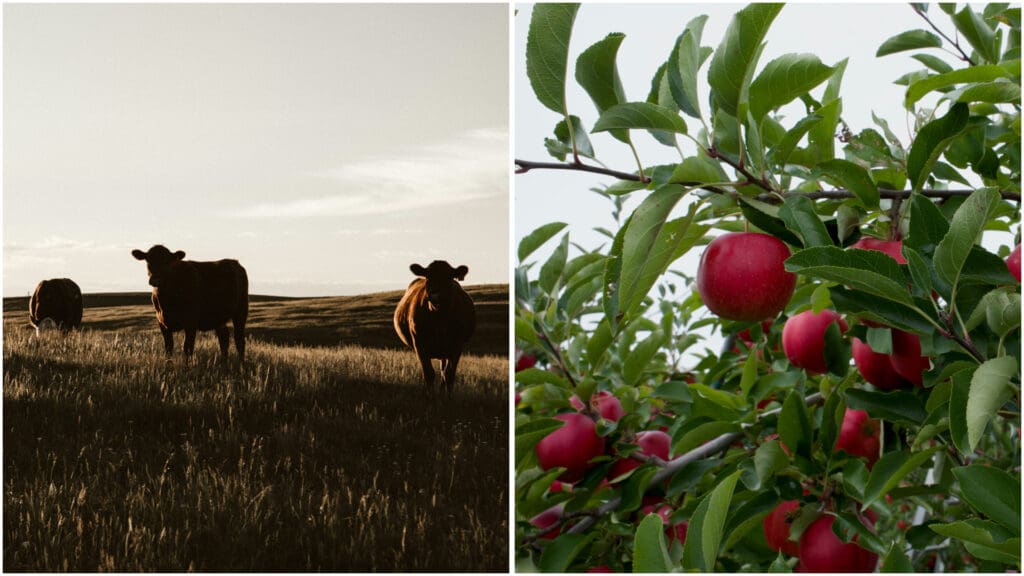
(748, 429)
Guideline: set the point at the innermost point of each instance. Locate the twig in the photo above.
(525, 166)
(956, 44)
(762, 183)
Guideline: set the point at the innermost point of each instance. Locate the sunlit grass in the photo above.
(305, 459)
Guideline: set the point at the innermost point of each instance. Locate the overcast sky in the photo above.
(830, 31)
(326, 147)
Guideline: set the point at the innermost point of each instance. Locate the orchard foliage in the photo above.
(749, 430)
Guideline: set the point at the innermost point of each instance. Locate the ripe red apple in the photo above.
(606, 404)
(906, 356)
(891, 247)
(876, 368)
(651, 443)
(803, 339)
(1013, 262)
(822, 551)
(744, 335)
(776, 528)
(860, 435)
(547, 518)
(601, 569)
(741, 276)
(572, 446)
(524, 360)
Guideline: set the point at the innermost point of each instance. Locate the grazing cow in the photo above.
(193, 296)
(58, 300)
(435, 318)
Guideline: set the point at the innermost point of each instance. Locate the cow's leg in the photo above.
(223, 338)
(190, 342)
(449, 372)
(168, 340)
(428, 370)
(238, 325)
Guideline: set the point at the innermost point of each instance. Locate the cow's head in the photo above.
(441, 279)
(158, 262)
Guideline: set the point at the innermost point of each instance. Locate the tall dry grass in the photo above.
(305, 459)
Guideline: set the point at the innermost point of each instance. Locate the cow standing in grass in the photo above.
(435, 318)
(58, 300)
(194, 296)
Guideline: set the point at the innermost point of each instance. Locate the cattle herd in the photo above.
(435, 317)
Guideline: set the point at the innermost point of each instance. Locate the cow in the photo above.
(194, 296)
(435, 317)
(58, 300)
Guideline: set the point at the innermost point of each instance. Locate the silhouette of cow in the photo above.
(435, 318)
(193, 296)
(58, 300)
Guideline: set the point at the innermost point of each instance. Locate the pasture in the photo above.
(323, 453)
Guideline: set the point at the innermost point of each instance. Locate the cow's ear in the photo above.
(460, 273)
(179, 255)
(418, 270)
(139, 254)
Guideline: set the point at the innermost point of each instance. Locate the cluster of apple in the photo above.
(819, 550)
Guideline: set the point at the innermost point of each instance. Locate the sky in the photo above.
(830, 31)
(326, 147)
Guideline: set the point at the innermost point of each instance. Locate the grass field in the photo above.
(310, 458)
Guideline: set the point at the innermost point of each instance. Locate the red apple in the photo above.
(876, 368)
(803, 339)
(602, 569)
(741, 276)
(547, 518)
(860, 435)
(906, 356)
(822, 551)
(776, 528)
(894, 248)
(606, 404)
(1013, 262)
(524, 360)
(572, 446)
(558, 486)
(651, 443)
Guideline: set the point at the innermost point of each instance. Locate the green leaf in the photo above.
(734, 61)
(561, 146)
(749, 377)
(900, 406)
(865, 270)
(883, 311)
(597, 74)
(613, 276)
(958, 397)
(990, 389)
(822, 135)
(932, 140)
(991, 492)
(919, 270)
(650, 554)
(558, 555)
(993, 540)
(699, 169)
(909, 40)
(890, 469)
(529, 433)
(837, 351)
(640, 115)
(640, 356)
(896, 561)
(547, 52)
(766, 217)
(683, 64)
(927, 225)
(769, 458)
(538, 237)
(798, 213)
(991, 92)
(700, 551)
(701, 434)
(649, 246)
(978, 33)
(785, 78)
(1000, 308)
(779, 155)
(551, 271)
(964, 231)
(920, 88)
(934, 62)
(795, 425)
(526, 332)
(854, 178)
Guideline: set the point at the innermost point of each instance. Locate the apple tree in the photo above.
(864, 412)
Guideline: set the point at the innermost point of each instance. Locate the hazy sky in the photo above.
(830, 31)
(326, 147)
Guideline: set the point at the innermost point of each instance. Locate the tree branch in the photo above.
(676, 464)
(525, 166)
(712, 152)
(956, 44)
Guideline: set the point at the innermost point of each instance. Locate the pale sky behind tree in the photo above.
(831, 31)
(326, 147)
